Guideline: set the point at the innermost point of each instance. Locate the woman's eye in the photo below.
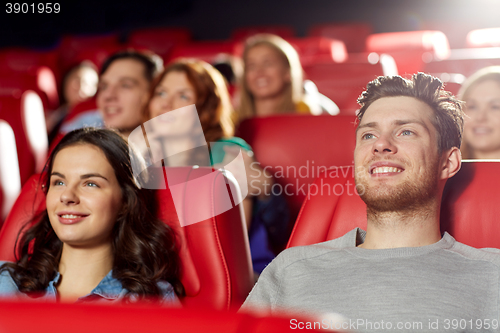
(185, 97)
(161, 93)
(91, 184)
(57, 182)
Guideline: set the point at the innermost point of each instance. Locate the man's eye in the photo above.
(406, 132)
(91, 184)
(367, 136)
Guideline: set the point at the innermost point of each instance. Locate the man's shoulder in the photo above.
(491, 255)
(300, 253)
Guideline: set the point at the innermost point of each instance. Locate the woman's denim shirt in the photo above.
(109, 289)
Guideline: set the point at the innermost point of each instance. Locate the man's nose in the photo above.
(384, 145)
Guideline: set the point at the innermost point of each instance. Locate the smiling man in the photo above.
(123, 93)
(402, 273)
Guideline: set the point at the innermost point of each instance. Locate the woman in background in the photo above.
(273, 78)
(481, 93)
(97, 239)
(189, 82)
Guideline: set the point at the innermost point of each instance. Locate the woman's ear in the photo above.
(451, 161)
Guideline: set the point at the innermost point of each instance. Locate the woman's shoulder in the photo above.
(234, 140)
(7, 284)
(168, 296)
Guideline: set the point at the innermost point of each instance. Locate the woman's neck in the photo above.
(268, 106)
(82, 269)
(486, 155)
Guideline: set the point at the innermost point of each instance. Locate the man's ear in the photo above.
(451, 160)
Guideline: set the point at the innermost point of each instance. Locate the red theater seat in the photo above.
(27, 61)
(353, 34)
(98, 318)
(10, 180)
(344, 82)
(410, 49)
(25, 115)
(483, 37)
(72, 46)
(319, 49)
(243, 33)
(206, 50)
(465, 62)
(469, 210)
(216, 266)
(40, 80)
(159, 40)
(297, 148)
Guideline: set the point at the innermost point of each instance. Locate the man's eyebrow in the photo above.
(372, 124)
(127, 78)
(395, 122)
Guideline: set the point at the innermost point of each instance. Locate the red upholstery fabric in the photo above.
(297, 148)
(465, 61)
(40, 80)
(216, 266)
(344, 82)
(283, 31)
(353, 34)
(206, 50)
(73, 45)
(97, 318)
(483, 38)
(10, 111)
(469, 210)
(319, 49)
(410, 49)
(27, 61)
(159, 40)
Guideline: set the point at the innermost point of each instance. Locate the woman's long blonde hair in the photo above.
(491, 73)
(294, 91)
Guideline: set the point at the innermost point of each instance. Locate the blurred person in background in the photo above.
(124, 83)
(78, 85)
(188, 82)
(481, 93)
(272, 81)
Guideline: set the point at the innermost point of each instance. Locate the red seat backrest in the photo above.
(465, 62)
(41, 80)
(10, 111)
(216, 266)
(297, 148)
(159, 40)
(10, 180)
(132, 318)
(344, 82)
(206, 50)
(469, 209)
(319, 49)
(411, 49)
(353, 34)
(284, 31)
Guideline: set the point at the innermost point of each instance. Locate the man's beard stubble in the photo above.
(409, 196)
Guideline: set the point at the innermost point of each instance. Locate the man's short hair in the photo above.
(152, 63)
(448, 114)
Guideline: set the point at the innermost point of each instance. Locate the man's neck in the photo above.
(413, 228)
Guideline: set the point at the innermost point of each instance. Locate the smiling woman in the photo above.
(97, 239)
(481, 93)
